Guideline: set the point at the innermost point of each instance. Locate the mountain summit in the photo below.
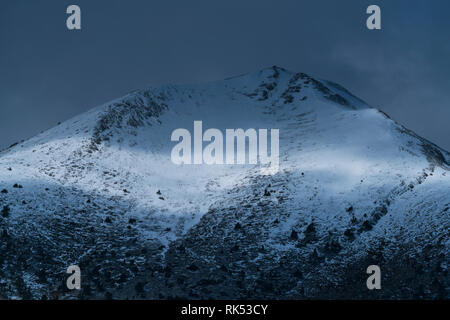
(354, 188)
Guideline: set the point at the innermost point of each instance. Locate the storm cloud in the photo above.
(49, 74)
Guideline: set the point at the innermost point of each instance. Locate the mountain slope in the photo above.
(354, 189)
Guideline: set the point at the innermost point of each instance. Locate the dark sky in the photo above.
(49, 74)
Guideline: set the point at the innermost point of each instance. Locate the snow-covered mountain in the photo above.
(354, 188)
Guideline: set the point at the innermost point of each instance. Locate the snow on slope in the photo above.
(100, 190)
